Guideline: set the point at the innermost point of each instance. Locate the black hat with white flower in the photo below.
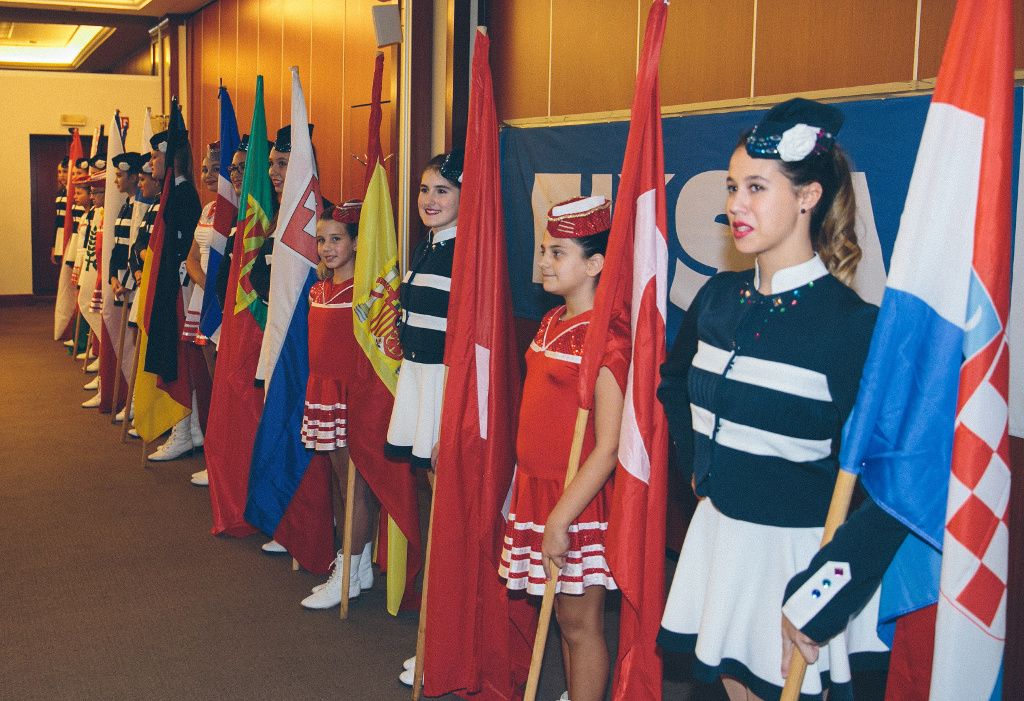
(794, 130)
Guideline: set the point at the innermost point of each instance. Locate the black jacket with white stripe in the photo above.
(757, 389)
(424, 297)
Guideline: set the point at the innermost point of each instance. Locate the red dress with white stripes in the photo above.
(546, 419)
(332, 360)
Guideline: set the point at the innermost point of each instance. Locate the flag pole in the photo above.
(346, 537)
(131, 386)
(88, 348)
(123, 326)
(837, 512)
(421, 629)
(78, 329)
(548, 602)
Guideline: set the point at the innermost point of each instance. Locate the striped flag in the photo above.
(163, 395)
(375, 311)
(225, 214)
(633, 291)
(929, 431)
(280, 460)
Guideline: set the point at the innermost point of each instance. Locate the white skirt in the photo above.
(416, 416)
(726, 604)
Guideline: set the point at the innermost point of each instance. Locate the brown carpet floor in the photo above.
(112, 588)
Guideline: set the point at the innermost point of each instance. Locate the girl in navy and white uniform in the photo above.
(761, 378)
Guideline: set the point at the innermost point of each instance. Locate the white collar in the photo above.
(179, 179)
(794, 276)
(443, 235)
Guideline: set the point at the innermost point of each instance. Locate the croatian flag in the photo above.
(929, 431)
(225, 214)
(279, 457)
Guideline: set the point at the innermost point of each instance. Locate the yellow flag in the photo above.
(375, 308)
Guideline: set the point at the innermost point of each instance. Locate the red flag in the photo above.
(478, 639)
(633, 287)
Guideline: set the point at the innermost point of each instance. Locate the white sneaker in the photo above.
(132, 433)
(177, 444)
(80, 356)
(407, 676)
(200, 479)
(92, 403)
(93, 384)
(94, 366)
(120, 415)
(410, 663)
(69, 344)
(273, 547)
(330, 595)
(365, 572)
(564, 696)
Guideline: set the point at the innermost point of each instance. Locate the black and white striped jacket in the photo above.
(424, 297)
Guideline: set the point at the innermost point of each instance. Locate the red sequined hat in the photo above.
(347, 212)
(579, 217)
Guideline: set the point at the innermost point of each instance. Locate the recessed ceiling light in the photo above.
(67, 54)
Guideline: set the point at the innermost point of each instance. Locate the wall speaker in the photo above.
(387, 24)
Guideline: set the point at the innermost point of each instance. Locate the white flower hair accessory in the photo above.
(798, 142)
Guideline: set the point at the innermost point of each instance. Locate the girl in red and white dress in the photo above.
(339, 373)
(550, 523)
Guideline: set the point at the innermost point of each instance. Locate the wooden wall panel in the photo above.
(936, 18)
(229, 46)
(326, 94)
(593, 55)
(269, 63)
(206, 96)
(245, 62)
(519, 57)
(810, 45)
(706, 52)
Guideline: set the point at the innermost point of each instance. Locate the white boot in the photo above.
(364, 574)
(94, 366)
(92, 385)
(366, 568)
(80, 356)
(196, 432)
(92, 402)
(330, 594)
(201, 478)
(69, 344)
(120, 415)
(273, 547)
(177, 444)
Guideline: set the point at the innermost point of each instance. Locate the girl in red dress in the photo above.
(550, 523)
(338, 369)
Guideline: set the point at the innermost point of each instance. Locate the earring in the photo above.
(803, 211)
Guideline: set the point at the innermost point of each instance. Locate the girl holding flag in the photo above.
(342, 393)
(549, 521)
(199, 256)
(762, 376)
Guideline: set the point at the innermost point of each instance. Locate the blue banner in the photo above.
(540, 166)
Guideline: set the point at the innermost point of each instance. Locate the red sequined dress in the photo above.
(546, 420)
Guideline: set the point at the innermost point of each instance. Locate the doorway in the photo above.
(45, 153)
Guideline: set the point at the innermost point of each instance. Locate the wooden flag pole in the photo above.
(548, 602)
(129, 402)
(421, 629)
(837, 512)
(121, 331)
(78, 329)
(88, 350)
(346, 537)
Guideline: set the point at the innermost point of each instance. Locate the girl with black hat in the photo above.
(757, 387)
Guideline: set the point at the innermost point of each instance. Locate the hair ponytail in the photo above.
(834, 217)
